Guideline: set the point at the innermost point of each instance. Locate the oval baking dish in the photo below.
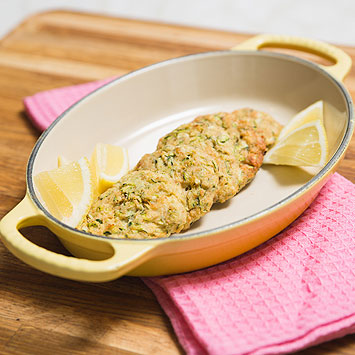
(138, 108)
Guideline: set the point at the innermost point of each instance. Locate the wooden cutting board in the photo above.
(42, 314)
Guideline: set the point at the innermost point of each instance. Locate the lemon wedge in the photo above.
(62, 161)
(312, 113)
(109, 163)
(303, 141)
(67, 192)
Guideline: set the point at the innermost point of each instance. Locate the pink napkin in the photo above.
(294, 291)
(44, 107)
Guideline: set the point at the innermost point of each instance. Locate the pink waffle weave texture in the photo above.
(44, 107)
(294, 291)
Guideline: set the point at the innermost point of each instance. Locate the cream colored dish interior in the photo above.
(136, 110)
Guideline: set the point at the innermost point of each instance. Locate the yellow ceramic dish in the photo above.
(138, 108)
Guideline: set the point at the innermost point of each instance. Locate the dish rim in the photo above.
(319, 176)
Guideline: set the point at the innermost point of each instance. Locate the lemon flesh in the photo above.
(109, 163)
(62, 161)
(67, 192)
(312, 113)
(303, 141)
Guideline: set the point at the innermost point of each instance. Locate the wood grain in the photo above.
(39, 313)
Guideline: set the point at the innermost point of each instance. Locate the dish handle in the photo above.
(342, 61)
(126, 254)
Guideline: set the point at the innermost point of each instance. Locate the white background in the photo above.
(329, 20)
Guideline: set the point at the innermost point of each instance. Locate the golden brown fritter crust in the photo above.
(196, 170)
(206, 135)
(143, 204)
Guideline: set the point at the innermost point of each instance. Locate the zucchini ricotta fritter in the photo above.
(143, 204)
(192, 168)
(206, 136)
